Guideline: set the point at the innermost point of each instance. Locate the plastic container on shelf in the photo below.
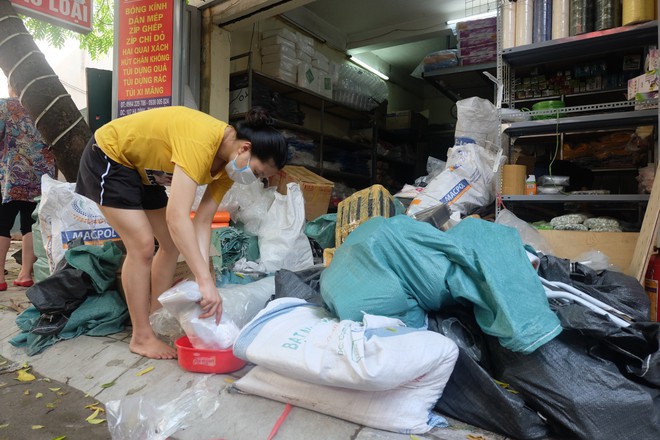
(530, 185)
(548, 105)
(554, 180)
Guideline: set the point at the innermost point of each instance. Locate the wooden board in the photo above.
(618, 246)
(648, 234)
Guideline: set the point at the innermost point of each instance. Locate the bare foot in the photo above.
(152, 348)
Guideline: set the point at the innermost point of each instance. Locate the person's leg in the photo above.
(8, 212)
(133, 227)
(27, 254)
(164, 264)
(5, 242)
(27, 260)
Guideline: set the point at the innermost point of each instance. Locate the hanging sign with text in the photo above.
(75, 15)
(145, 49)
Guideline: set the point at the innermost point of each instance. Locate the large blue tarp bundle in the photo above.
(403, 268)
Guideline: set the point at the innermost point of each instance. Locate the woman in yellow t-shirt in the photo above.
(124, 169)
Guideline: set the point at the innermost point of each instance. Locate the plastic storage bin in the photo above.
(356, 209)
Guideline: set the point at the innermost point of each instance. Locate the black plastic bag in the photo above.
(634, 349)
(472, 395)
(57, 296)
(582, 396)
(619, 290)
(302, 284)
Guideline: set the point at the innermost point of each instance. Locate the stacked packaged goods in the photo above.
(477, 41)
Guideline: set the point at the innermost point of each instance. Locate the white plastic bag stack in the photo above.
(378, 373)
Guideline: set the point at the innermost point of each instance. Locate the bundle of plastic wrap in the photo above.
(359, 88)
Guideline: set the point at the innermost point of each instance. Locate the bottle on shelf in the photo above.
(530, 185)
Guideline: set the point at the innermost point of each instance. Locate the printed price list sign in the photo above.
(144, 69)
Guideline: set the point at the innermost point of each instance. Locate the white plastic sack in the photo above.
(477, 122)
(303, 341)
(406, 409)
(181, 302)
(468, 182)
(65, 215)
(282, 240)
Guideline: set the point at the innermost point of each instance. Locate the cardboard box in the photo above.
(238, 101)
(617, 246)
(404, 119)
(643, 84)
(316, 190)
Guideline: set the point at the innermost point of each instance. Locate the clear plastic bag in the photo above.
(163, 412)
(528, 234)
(248, 204)
(181, 302)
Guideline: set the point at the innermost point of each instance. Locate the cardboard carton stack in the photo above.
(291, 56)
(645, 86)
(477, 41)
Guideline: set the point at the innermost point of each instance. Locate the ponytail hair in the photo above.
(267, 142)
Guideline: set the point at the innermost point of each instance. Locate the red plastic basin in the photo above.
(200, 360)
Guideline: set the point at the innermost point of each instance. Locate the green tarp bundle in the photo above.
(403, 268)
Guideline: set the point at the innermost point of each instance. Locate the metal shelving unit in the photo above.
(620, 119)
(323, 141)
(593, 117)
(463, 81)
(566, 198)
(592, 43)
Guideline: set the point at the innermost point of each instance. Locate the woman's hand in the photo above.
(211, 302)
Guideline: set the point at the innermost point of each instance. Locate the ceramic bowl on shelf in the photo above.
(551, 189)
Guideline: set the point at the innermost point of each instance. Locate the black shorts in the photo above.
(8, 213)
(111, 184)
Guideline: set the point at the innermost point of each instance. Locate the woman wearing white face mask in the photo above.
(123, 169)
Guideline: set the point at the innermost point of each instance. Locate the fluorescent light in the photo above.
(488, 14)
(369, 68)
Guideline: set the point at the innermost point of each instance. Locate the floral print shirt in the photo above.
(24, 156)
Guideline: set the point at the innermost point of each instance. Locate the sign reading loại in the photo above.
(75, 15)
(144, 53)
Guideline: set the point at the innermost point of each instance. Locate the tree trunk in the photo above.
(58, 120)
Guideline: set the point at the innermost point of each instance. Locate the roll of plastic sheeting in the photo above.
(508, 24)
(607, 14)
(524, 22)
(582, 17)
(542, 23)
(637, 11)
(561, 11)
(513, 179)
